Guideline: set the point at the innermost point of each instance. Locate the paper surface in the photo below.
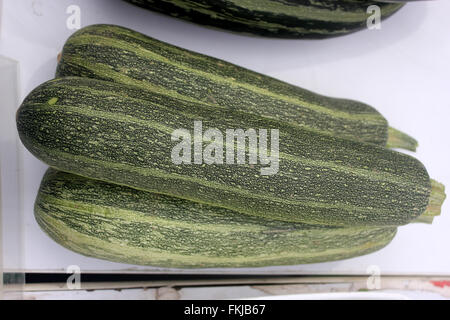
(402, 70)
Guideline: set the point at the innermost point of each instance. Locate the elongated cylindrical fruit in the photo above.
(117, 54)
(155, 142)
(311, 19)
(117, 223)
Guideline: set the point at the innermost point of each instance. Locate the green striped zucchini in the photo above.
(121, 224)
(117, 54)
(122, 134)
(313, 19)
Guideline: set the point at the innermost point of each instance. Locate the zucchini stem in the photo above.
(437, 198)
(400, 140)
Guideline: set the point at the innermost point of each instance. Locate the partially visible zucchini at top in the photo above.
(296, 19)
(121, 55)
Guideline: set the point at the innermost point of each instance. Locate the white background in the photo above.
(402, 70)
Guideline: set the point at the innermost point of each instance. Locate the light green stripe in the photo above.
(133, 216)
(116, 116)
(103, 69)
(305, 12)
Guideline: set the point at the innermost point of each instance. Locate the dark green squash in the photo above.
(121, 224)
(122, 134)
(310, 19)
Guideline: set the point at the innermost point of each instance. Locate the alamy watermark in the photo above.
(374, 280)
(74, 280)
(73, 22)
(374, 19)
(208, 147)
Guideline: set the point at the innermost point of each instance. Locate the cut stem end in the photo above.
(437, 198)
(400, 140)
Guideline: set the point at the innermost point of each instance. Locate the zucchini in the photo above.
(121, 224)
(117, 54)
(309, 19)
(122, 134)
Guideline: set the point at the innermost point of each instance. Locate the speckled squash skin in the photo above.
(121, 55)
(297, 19)
(122, 224)
(122, 134)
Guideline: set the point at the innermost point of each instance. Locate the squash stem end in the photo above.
(400, 140)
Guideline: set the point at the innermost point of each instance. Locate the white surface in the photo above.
(11, 223)
(402, 70)
(223, 293)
